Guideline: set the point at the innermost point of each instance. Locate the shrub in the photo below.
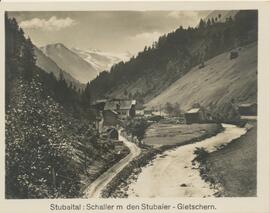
(136, 127)
(201, 154)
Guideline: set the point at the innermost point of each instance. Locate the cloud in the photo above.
(182, 14)
(148, 37)
(140, 40)
(187, 18)
(51, 24)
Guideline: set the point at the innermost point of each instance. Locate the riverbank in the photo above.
(119, 185)
(234, 167)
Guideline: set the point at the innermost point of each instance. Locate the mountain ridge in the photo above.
(49, 66)
(69, 61)
(99, 59)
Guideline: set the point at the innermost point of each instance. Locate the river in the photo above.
(168, 171)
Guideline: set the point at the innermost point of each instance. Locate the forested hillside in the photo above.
(172, 56)
(50, 141)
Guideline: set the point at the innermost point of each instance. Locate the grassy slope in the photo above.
(218, 82)
(235, 166)
(168, 134)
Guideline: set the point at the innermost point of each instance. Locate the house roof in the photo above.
(101, 101)
(139, 107)
(193, 110)
(148, 110)
(114, 112)
(110, 105)
(246, 105)
(123, 104)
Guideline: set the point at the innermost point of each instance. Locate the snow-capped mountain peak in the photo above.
(99, 59)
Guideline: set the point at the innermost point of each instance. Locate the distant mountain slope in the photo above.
(220, 82)
(49, 66)
(70, 62)
(101, 60)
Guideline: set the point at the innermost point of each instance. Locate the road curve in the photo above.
(94, 190)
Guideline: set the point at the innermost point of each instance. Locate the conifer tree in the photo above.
(28, 59)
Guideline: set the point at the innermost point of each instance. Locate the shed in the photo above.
(233, 54)
(195, 115)
(247, 109)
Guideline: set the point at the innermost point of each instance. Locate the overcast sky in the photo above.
(110, 31)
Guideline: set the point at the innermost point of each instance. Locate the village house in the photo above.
(195, 115)
(139, 111)
(247, 109)
(125, 108)
(99, 104)
(110, 112)
(148, 112)
(160, 113)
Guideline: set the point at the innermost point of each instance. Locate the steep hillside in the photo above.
(155, 68)
(40, 137)
(37, 141)
(221, 81)
(101, 60)
(49, 66)
(69, 61)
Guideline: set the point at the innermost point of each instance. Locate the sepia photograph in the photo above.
(131, 104)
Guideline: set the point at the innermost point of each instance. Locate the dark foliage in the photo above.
(173, 109)
(201, 154)
(136, 127)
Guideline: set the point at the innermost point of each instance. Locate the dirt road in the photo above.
(95, 189)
